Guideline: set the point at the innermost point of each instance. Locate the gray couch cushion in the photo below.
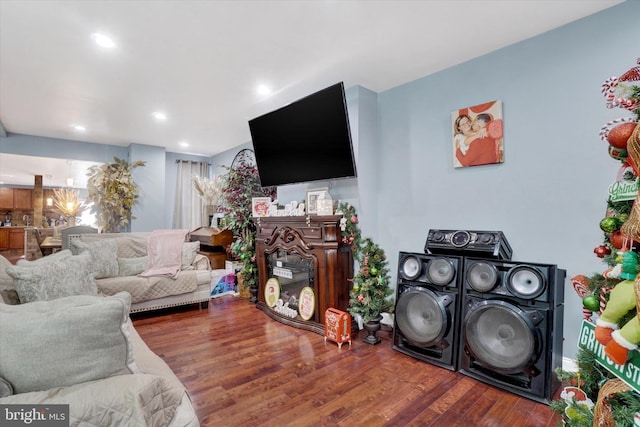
(132, 266)
(48, 280)
(71, 340)
(104, 254)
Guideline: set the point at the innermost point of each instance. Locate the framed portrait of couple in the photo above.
(477, 135)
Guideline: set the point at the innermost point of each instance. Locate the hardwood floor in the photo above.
(243, 368)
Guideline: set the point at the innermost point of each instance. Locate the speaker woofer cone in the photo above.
(421, 316)
(441, 271)
(482, 276)
(525, 282)
(500, 336)
(411, 267)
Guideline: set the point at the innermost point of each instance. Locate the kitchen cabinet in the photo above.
(16, 198)
(16, 237)
(4, 239)
(23, 198)
(6, 198)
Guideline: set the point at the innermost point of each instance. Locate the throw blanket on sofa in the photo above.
(164, 249)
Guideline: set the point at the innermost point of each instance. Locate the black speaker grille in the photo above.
(421, 316)
(482, 276)
(525, 282)
(440, 271)
(501, 336)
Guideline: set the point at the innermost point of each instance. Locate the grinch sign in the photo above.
(623, 188)
(628, 372)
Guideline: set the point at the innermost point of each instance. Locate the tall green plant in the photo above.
(113, 192)
(240, 185)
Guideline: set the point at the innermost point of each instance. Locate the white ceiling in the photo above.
(21, 170)
(200, 61)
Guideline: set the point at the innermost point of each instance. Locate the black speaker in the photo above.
(487, 244)
(511, 325)
(427, 308)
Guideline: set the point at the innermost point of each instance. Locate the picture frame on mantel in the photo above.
(312, 199)
(260, 206)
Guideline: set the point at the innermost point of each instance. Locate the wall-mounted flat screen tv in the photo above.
(307, 140)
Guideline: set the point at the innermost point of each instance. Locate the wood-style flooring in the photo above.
(244, 369)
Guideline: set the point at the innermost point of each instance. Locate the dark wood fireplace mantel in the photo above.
(314, 241)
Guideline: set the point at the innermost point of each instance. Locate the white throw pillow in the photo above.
(68, 341)
(43, 281)
(104, 254)
(189, 252)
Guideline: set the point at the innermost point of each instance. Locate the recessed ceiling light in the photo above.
(183, 143)
(159, 115)
(102, 40)
(79, 128)
(263, 90)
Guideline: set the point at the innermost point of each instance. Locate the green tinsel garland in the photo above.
(590, 377)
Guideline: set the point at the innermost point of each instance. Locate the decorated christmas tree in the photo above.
(605, 389)
(369, 296)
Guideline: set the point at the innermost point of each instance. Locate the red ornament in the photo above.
(354, 219)
(602, 251)
(619, 135)
(619, 240)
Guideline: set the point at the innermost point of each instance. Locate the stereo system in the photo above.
(488, 244)
(488, 317)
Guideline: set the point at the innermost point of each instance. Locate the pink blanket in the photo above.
(164, 249)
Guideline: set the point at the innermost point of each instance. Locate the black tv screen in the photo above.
(307, 140)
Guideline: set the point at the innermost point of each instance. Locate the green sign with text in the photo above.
(629, 372)
(623, 190)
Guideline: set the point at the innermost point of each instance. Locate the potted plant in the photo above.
(240, 185)
(113, 192)
(368, 298)
(210, 191)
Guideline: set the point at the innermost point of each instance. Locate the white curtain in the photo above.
(189, 211)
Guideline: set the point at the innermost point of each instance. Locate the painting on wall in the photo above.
(477, 135)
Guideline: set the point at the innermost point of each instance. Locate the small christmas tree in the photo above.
(369, 295)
